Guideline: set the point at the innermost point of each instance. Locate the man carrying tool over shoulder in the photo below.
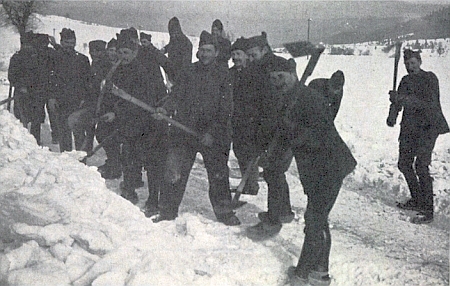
(135, 125)
(202, 100)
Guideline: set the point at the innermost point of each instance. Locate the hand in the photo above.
(109, 117)
(393, 96)
(160, 113)
(23, 90)
(207, 140)
(390, 121)
(106, 86)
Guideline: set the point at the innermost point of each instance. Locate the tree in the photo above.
(19, 13)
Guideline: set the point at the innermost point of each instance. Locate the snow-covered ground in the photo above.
(62, 224)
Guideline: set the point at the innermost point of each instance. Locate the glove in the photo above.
(391, 121)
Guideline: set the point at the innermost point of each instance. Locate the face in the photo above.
(207, 54)
(239, 58)
(112, 54)
(96, 55)
(145, 42)
(283, 81)
(413, 65)
(256, 53)
(127, 55)
(215, 31)
(68, 44)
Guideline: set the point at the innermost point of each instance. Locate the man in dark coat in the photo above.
(265, 101)
(223, 43)
(28, 72)
(244, 116)
(105, 128)
(332, 89)
(70, 81)
(323, 161)
(422, 122)
(135, 124)
(203, 102)
(155, 163)
(179, 49)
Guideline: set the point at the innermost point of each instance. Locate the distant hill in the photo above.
(432, 26)
(333, 22)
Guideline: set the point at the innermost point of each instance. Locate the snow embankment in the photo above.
(60, 225)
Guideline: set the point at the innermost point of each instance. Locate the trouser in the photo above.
(414, 159)
(244, 154)
(322, 192)
(278, 199)
(112, 146)
(65, 133)
(131, 161)
(156, 149)
(53, 119)
(179, 164)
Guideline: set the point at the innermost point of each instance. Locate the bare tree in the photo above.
(20, 13)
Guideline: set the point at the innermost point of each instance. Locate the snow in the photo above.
(62, 224)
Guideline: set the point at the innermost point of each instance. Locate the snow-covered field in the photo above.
(62, 224)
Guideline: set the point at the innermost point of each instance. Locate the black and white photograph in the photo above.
(225, 143)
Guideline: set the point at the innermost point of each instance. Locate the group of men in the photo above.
(258, 105)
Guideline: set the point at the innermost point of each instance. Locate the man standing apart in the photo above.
(203, 102)
(422, 122)
(224, 44)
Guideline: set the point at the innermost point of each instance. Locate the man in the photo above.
(105, 129)
(203, 102)
(331, 89)
(422, 122)
(28, 73)
(156, 157)
(135, 124)
(179, 49)
(223, 43)
(244, 116)
(323, 159)
(70, 81)
(265, 101)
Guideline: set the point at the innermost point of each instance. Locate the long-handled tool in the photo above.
(7, 100)
(10, 97)
(394, 107)
(296, 49)
(124, 95)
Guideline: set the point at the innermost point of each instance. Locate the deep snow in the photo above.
(75, 229)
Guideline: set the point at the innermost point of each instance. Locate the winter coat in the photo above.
(70, 79)
(224, 51)
(131, 119)
(333, 101)
(423, 113)
(179, 52)
(99, 70)
(152, 59)
(203, 102)
(30, 69)
(306, 126)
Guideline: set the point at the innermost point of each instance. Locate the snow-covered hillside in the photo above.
(62, 224)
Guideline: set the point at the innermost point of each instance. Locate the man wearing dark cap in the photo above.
(202, 100)
(135, 124)
(422, 122)
(332, 89)
(178, 50)
(112, 168)
(323, 159)
(70, 81)
(265, 100)
(244, 114)
(223, 43)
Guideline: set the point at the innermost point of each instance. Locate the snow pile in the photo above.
(65, 227)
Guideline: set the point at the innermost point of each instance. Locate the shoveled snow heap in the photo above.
(70, 229)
